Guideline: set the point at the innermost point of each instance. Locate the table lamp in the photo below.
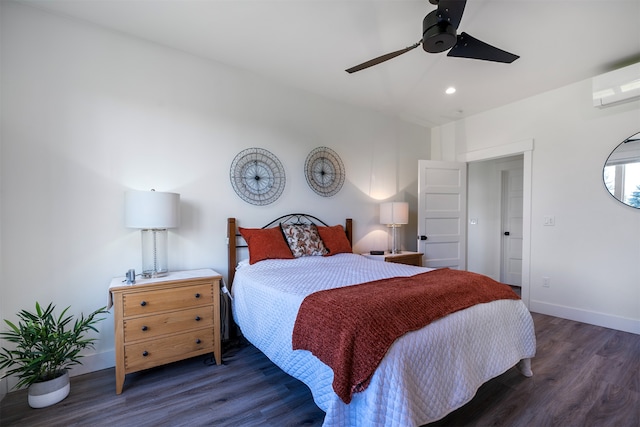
(393, 215)
(153, 212)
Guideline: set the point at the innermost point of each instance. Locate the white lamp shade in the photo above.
(151, 209)
(392, 213)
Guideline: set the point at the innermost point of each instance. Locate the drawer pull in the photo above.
(198, 295)
(145, 327)
(197, 318)
(145, 353)
(198, 341)
(143, 303)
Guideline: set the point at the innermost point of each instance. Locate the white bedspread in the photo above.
(425, 374)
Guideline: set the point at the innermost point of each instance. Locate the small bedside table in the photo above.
(165, 319)
(404, 257)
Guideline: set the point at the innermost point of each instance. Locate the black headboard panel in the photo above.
(294, 218)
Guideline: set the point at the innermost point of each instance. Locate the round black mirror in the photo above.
(622, 172)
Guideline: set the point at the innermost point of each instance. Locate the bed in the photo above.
(424, 374)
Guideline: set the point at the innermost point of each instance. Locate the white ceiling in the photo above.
(309, 43)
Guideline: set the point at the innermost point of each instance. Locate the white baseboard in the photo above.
(3, 388)
(94, 362)
(585, 316)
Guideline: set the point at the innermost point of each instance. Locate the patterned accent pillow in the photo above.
(303, 240)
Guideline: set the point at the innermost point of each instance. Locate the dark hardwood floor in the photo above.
(583, 376)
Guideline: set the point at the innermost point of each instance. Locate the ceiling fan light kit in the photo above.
(439, 33)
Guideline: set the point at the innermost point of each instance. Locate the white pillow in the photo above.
(242, 263)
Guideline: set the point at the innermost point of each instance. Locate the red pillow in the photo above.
(265, 243)
(335, 240)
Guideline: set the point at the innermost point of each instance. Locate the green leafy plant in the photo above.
(46, 345)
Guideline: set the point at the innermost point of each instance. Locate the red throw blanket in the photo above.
(350, 329)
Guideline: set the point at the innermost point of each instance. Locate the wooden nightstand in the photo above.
(405, 257)
(165, 319)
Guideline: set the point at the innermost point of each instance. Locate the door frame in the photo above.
(525, 148)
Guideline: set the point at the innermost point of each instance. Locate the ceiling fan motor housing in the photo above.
(437, 35)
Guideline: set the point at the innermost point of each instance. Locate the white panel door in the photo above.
(512, 190)
(442, 213)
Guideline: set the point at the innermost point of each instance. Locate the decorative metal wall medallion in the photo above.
(324, 171)
(257, 176)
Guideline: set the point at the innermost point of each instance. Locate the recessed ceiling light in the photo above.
(450, 90)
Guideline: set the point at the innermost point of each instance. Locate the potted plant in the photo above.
(46, 346)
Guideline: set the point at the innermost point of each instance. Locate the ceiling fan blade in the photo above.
(380, 59)
(451, 11)
(470, 47)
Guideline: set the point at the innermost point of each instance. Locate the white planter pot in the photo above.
(50, 392)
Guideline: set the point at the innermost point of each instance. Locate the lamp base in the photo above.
(154, 274)
(154, 253)
(394, 246)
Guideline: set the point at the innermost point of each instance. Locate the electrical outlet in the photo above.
(546, 282)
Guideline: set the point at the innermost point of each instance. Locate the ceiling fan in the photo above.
(439, 34)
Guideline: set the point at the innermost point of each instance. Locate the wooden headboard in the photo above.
(296, 218)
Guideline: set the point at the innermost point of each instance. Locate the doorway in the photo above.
(478, 242)
(495, 211)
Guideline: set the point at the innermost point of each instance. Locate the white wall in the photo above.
(592, 254)
(88, 113)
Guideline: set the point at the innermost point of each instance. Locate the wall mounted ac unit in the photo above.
(617, 86)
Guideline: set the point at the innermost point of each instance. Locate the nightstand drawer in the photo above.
(167, 323)
(148, 354)
(405, 257)
(137, 303)
(410, 259)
